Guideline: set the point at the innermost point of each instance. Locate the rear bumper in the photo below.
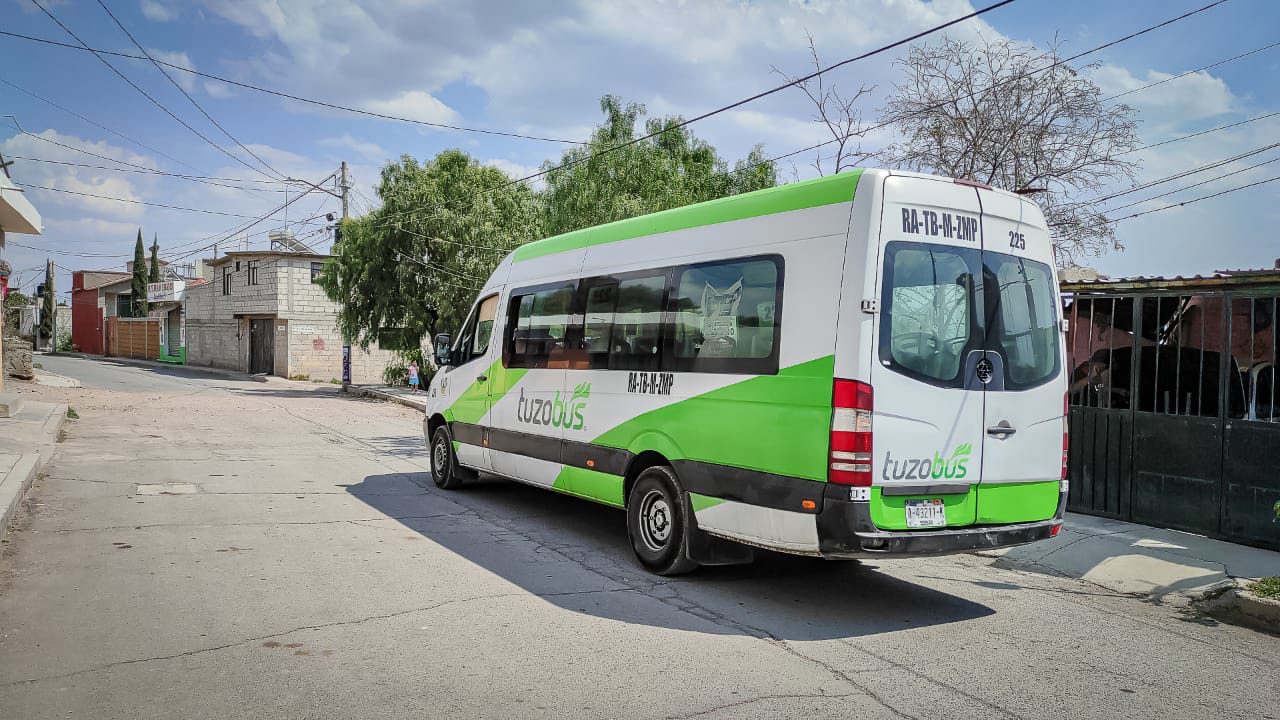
(845, 529)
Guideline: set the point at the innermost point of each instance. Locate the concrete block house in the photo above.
(262, 312)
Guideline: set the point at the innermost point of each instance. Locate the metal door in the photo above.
(262, 346)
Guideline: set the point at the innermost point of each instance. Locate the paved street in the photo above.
(216, 548)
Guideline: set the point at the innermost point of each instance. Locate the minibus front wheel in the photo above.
(445, 472)
(658, 522)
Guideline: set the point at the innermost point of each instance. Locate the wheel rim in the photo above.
(440, 458)
(655, 521)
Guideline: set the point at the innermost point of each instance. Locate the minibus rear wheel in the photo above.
(657, 522)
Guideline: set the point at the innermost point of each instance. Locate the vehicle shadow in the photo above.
(575, 554)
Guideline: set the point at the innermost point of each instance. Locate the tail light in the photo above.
(850, 460)
(1065, 414)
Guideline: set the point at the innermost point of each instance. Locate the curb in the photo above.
(156, 364)
(1238, 606)
(385, 396)
(27, 469)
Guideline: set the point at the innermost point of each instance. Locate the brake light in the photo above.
(850, 458)
(1065, 426)
(971, 183)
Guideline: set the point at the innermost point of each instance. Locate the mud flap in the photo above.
(706, 549)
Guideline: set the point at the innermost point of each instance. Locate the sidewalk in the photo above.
(1157, 565)
(155, 364)
(397, 394)
(26, 444)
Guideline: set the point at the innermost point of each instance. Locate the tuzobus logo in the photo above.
(557, 412)
(935, 468)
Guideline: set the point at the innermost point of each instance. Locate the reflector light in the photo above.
(849, 462)
(808, 504)
(1054, 532)
(1065, 444)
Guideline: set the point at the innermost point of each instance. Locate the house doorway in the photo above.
(262, 346)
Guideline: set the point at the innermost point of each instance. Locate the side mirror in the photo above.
(443, 352)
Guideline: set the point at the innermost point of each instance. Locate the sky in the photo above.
(538, 68)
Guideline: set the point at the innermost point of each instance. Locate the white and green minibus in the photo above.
(867, 364)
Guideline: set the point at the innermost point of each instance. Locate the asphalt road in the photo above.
(210, 548)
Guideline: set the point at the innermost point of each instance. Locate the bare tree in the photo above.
(1017, 118)
(839, 114)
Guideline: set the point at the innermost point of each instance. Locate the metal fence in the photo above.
(1174, 420)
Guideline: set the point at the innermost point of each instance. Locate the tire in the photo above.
(445, 472)
(658, 522)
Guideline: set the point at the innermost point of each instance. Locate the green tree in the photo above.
(412, 267)
(139, 286)
(670, 170)
(155, 261)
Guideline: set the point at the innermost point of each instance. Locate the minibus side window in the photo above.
(636, 340)
(539, 324)
(724, 317)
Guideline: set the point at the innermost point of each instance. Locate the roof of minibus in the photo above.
(821, 191)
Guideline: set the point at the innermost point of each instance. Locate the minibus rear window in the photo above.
(941, 303)
(928, 316)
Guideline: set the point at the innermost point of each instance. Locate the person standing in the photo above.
(413, 375)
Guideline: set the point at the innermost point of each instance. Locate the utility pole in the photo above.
(346, 342)
(51, 304)
(345, 188)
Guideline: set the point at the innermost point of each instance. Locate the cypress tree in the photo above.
(155, 260)
(139, 286)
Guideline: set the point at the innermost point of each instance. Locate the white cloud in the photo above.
(159, 11)
(1192, 97)
(186, 80)
(368, 150)
(415, 105)
(217, 89)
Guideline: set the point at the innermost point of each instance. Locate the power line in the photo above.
(1180, 175)
(297, 98)
(144, 93)
(66, 252)
(1196, 200)
(185, 94)
(94, 123)
(225, 235)
(1202, 132)
(1189, 72)
(1202, 182)
(194, 178)
(133, 202)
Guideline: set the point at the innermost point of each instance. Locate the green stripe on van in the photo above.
(793, 196)
(467, 409)
(777, 424)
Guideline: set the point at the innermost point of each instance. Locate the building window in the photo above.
(253, 272)
(226, 281)
(315, 270)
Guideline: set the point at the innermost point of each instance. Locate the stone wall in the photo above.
(214, 343)
(17, 358)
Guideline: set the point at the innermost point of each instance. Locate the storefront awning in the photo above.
(17, 215)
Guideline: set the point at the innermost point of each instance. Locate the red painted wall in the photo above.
(86, 318)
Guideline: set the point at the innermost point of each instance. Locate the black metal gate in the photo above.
(262, 342)
(1173, 419)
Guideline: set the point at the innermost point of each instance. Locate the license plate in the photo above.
(926, 513)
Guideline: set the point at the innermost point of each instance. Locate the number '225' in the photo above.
(1017, 241)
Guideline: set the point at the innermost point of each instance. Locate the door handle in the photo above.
(1001, 430)
(482, 378)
